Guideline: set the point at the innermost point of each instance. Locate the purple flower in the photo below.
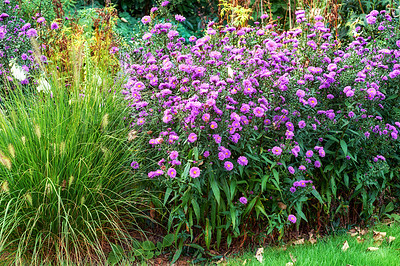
(309, 153)
(171, 172)
(292, 189)
(194, 172)
(242, 160)
(302, 124)
(371, 19)
(221, 156)
(165, 3)
(114, 50)
(291, 170)
(302, 183)
(192, 137)
(173, 155)
(172, 33)
(206, 154)
(292, 218)
(302, 167)
(180, 18)
(317, 164)
(31, 33)
(153, 9)
(217, 138)
(146, 19)
(41, 20)
(243, 200)
(147, 36)
(54, 26)
(213, 125)
(276, 150)
(135, 165)
(312, 102)
(258, 112)
(228, 165)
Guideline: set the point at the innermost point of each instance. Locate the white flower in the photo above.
(17, 71)
(230, 72)
(43, 85)
(98, 79)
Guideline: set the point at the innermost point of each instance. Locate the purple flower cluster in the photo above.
(16, 58)
(228, 98)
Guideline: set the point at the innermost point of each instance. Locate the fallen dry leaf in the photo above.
(360, 240)
(353, 234)
(292, 258)
(345, 246)
(372, 249)
(282, 205)
(299, 242)
(390, 239)
(379, 235)
(259, 254)
(312, 239)
(363, 232)
(244, 262)
(352, 231)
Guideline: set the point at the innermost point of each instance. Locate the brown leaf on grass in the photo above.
(282, 205)
(353, 234)
(352, 231)
(312, 239)
(372, 249)
(379, 235)
(244, 262)
(363, 232)
(299, 242)
(259, 254)
(390, 239)
(345, 246)
(292, 258)
(360, 240)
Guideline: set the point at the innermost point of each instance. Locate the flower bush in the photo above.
(247, 122)
(16, 56)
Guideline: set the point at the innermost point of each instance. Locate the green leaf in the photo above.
(200, 248)
(317, 195)
(178, 252)
(186, 171)
(207, 234)
(168, 240)
(148, 245)
(389, 207)
(196, 209)
(276, 175)
(344, 146)
(167, 194)
(115, 255)
(328, 168)
(215, 189)
(346, 180)
(333, 185)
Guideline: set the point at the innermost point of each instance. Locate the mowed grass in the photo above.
(328, 251)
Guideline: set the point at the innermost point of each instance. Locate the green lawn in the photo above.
(328, 251)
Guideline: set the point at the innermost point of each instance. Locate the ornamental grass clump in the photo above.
(254, 112)
(67, 189)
